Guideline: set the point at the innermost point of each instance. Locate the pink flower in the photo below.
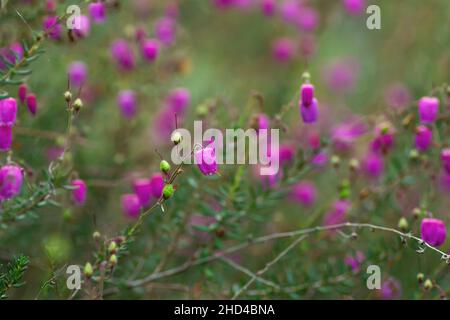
(123, 54)
(373, 165)
(11, 53)
(31, 102)
(338, 212)
(178, 100)
(433, 231)
(354, 262)
(428, 109)
(344, 134)
(307, 19)
(77, 73)
(79, 193)
(304, 193)
(131, 206)
(286, 154)
(309, 113)
(283, 49)
(127, 103)
(165, 30)
(268, 7)
(384, 140)
(10, 181)
(97, 12)
(8, 111)
(143, 189)
(84, 25)
(354, 7)
(320, 159)
(150, 49)
(424, 138)
(52, 27)
(22, 92)
(307, 94)
(157, 184)
(206, 160)
(290, 10)
(390, 289)
(5, 138)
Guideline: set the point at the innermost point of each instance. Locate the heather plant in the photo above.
(93, 100)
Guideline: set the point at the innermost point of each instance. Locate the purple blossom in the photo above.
(8, 111)
(338, 212)
(433, 231)
(390, 289)
(344, 134)
(178, 100)
(123, 54)
(424, 138)
(97, 12)
(373, 165)
(262, 121)
(307, 94)
(384, 139)
(428, 109)
(354, 262)
(11, 53)
(354, 7)
(52, 27)
(84, 25)
(320, 159)
(143, 189)
(206, 160)
(157, 183)
(307, 19)
(290, 10)
(5, 138)
(268, 7)
(286, 152)
(77, 73)
(126, 100)
(31, 103)
(11, 178)
(397, 96)
(22, 92)
(309, 113)
(341, 75)
(283, 49)
(165, 30)
(150, 49)
(79, 193)
(131, 206)
(304, 193)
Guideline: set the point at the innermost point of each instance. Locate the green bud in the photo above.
(344, 193)
(112, 247)
(168, 191)
(164, 166)
(202, 110)
(414, 154)
(67, 214)
(88, 270)
(403, 224)
(113, 260)
(428, 284)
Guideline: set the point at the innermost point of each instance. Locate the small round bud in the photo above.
(354, 164)
(113, 260)
(335, 161)
(78, 104)
(168, 191)
(176, 137)
(68, 96)
(306, 76)
(344, 193)
(96, 235)
(403, 224)
(428, 285)
(202, 110)
(417, 213)
(164, 166)
(354, 235)
(420, 277)
(112, 247)
(67, 214)
(414, 155)
(88, 270)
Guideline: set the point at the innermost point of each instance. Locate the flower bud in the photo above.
(112, 247)
(88, 270)
(10, 181)
(8, 111)
(78, 104)
(113, 260)
(433, 231)
(31, 102)
(96, 235)
(403, 224)
(97, 12)
(168, 191)
(414, 155)
(164, 166)
(428, 109)
(428, 284)
(67, 96)
(79, 193)
(22, 92)
(420, 277)
(335, 161)
(176, 138)
(354, 164)
(417, 213)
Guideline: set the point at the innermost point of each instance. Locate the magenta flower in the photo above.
(206, 160)
(354, 7)
(84, 25)
(344, 134)
(354, 262)
(283, 49)
(397, 96)
(97, 12)
(178, 100)
(307, 94)
(79, 193)
(5, 138)
(304, 193)
(307, 19)
(390, 289)
(384, 140)
(52, 27)
(11, 178)
(424, 138)
(286, 154)
(10, 54)
(150, 49)
(143, 189)
(22, 92)
(157, 183)
(123, 54)
(428, 109)
(131, 206)
(309, 113)
(290, 10)
(262, 121)
(338, 212)
(433, 231)
(77, 73)
(31, 103)
(268, 7)
(320, 159)
(165, 30)
(127, 103)
(8, 111)
(373, 165)
(445, 159)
